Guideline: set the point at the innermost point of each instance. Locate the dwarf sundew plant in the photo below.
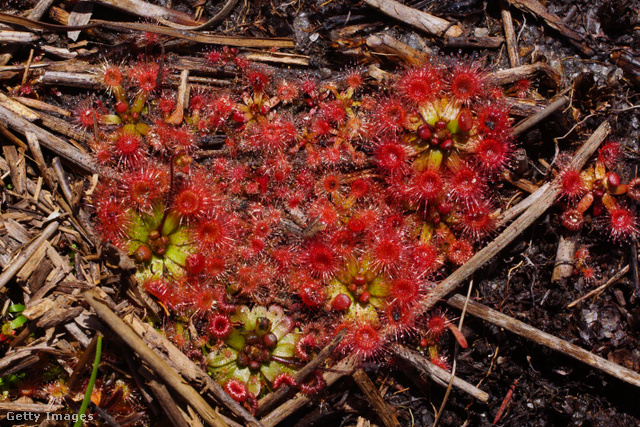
(330, 205)
(600, 189)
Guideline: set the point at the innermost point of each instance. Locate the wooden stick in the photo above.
(167, 403)
(21, 37)
(269, 401)
(53, 143)
(43, 106)
(185, 366)
(544, 200)
(62, 180)
(510, 35)
(345, 367)
(38, 408)
(536, 8)
(65, 128)
(473, 42)
(369, 389)
(7, 134)
(159, 366)
(198, 37)
(438, 374)
(17, 168)
(602, 287)
(36, 152)
(565, 257)
(421, 20)
(516, 210)
(18, 262)
(149, 11)
(79, 80)
(530, 122)
(536, 335)
(384, 43)
(512, 75)
(40, 9)
(17, 108)
(278, 58)
(156, 29)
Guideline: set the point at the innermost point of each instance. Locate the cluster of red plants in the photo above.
(599, 188)
(339, 201)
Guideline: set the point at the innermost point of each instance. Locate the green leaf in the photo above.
(18, 322)
(16, 308)
(223, 356)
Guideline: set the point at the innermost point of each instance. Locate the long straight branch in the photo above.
(544, 202)
(534, 334)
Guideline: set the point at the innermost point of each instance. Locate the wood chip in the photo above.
(17, 168)
(17, 231)
(17, 108)
(32, 263)
(38, 310)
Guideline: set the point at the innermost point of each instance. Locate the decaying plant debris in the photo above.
(568, 293)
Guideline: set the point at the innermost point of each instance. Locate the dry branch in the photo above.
(624, 270)
(17, 108)
(512, 75)
(21, 37)
(36, 153)
(345, 367)
(510, 35)
(529, 332)
(384, 43)
(52, 142)
(369, 389)
(544, 200)
(168, 405)
(43, 106)
(536, 8)
(473, 42)
(438, 374)
(159, 366)
(421, 20)
(185, 366)
(40, 9)
(77, 80)
(270, 400)
(17, 169)
(149, 11)
(156, 29)
(199, 38)
(38, 408)
(530, 122)
(22, 259)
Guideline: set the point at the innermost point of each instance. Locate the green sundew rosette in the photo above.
(376, 285)
(223, 363)
(179, 244)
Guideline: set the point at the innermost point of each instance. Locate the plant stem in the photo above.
(92, 381)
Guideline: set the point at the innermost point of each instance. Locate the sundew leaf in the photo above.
(223, 356)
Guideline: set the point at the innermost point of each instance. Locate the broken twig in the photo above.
(421, 20)
(534, 334)
(160, 368)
